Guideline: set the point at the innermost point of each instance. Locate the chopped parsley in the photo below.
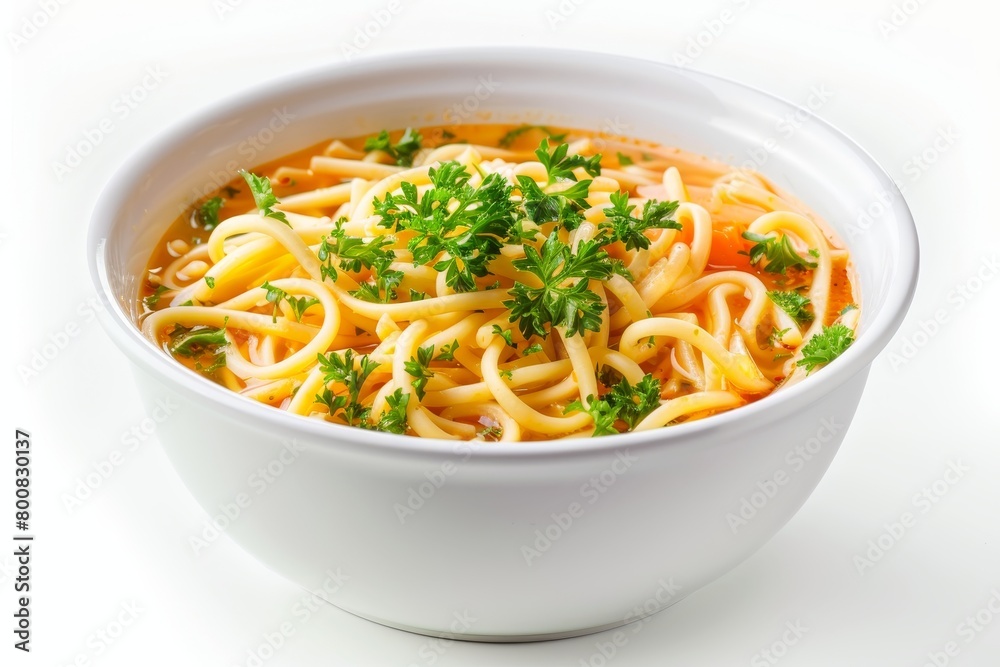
(624, 160)
(419, 369)
(774, 340)
(848, 308)
(622, 226)
(152, 299)
(506, 334)
(559, 165)
(263, 196)
(565, 207)
(383, 287)
(351, 373)
(447, 352)
(825, 346)
(491, 432)
(778, 252)
(393, 420)
(622, 402)
(207, 215)
(402, 151)
(507, 140)
(603, 413)
(201, 343)
(354, 253)
(794, 304)
(458, 229)
(299, 305)
(574, 306)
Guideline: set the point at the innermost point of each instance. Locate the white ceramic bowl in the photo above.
(503, 541)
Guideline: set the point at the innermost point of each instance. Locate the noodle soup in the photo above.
(501, 283)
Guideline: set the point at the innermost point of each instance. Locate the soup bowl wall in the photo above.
(501, 541)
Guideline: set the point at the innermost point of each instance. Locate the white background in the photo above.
(900, 74)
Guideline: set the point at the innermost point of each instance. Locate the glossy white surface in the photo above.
(416, 524)
(129, 541)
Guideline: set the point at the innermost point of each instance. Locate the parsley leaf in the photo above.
(353, 252)
(624, 160)
(263, 197)
(492, 433)
(393, 420)
(565, 207)
(825, 346)
(558, 164)
(383, 289)
(792, 303)
(555, 303)
(506, 334)
(196, 341)
(623, 402)
(624, 227)
(778, 251)
(208, 213)
(199, 343)
(447, 352)
(603, 413)
(774, 340)
(532, 349)
(507, 140)
(154, 298)
(634, 403)
(419, 370)
(298, 305)
(352, 373)
(402, 151)
(457, 229)
(210, 281)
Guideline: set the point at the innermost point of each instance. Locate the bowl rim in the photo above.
(856, 359)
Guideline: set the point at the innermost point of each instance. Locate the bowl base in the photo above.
(503, 638)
